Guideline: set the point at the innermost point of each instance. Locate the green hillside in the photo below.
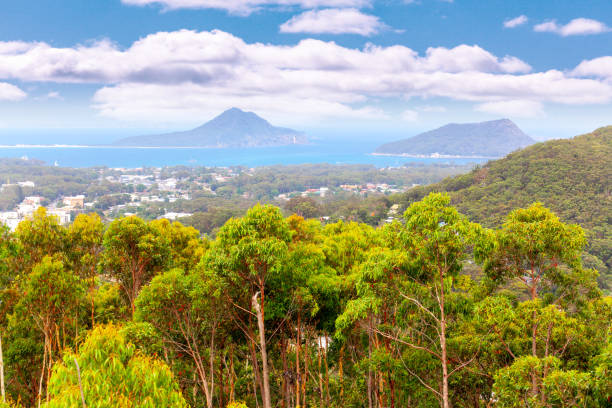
(573, 177)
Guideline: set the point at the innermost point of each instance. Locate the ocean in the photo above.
(337, 152)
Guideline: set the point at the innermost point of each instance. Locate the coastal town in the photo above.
(164, 192)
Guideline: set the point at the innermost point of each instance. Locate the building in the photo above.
(173, 216)
(33, 200)
(75, 202)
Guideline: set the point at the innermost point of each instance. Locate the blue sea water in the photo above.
(338, 152)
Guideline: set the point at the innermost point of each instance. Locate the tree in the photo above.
(8, 249)
(39, 236)
(544, 254)
(84, 241)
(107, 371)
(51, 296)
(186, 310)
(424, 270)
(134, 252)
(560, 388)
(305, 207)
(247, 253)
(186, 245)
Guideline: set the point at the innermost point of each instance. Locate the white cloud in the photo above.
(9, 92)
(334, 21)
(578, 26)
(599, 67)
(432, 109)
(410, 115)
(515, 22)
(50, 95)
(188, 102)
(183, 73)
(246, 7)
(513, 108)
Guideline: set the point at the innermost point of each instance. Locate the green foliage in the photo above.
(569, 176)
(134, 252)
(342, 314)
(560, 388)
(112, 374)
(51, 293)
(39, 236)
(536, 248)
(108, 304)
(186, 246)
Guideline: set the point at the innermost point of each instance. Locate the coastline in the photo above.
(434, 156)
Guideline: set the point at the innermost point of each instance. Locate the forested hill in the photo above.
(495, 138)
(573, 177)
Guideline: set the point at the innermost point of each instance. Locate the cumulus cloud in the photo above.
(515, 22)
(178, 74)
(578, 26)
(514, 108)
(9, 92)
(183, 103)
(334, 21)
(246, 7)
(599, 67)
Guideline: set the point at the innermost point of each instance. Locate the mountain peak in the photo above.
(494, 138)
(232, 128)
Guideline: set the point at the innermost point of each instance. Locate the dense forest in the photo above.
(276, 311)
(573, 177)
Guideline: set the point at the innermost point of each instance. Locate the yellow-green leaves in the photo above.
(113, 374)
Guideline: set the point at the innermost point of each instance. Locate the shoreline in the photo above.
(434, 156)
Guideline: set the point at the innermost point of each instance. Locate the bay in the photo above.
(335, 152)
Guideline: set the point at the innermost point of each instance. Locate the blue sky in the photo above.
(369, 68)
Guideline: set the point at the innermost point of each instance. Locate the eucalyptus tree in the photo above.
(51, 297)
(542, 253)
(134, 251)
(185, 244)
(107, 371)
(38, 236)
(84, 247)
(247, 255)
(186, 309)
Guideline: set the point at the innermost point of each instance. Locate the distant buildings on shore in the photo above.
(30, 204)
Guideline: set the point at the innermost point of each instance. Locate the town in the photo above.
(155, 192)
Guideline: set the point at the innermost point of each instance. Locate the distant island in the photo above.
(233, 128)
(492, 139)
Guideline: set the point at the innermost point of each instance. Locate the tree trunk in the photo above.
(326, 373)
(319, 361)
(341, 371)
(298, 375)
(285, 401)
(534, 343)
(259, 309)
(2, 372)
(445, 399)
(370, 402)
(76, 363)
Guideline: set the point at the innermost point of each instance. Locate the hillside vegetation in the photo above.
(573, 177)
(286, 312)
(494, 138)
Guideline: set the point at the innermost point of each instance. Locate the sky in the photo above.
(346, 68)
